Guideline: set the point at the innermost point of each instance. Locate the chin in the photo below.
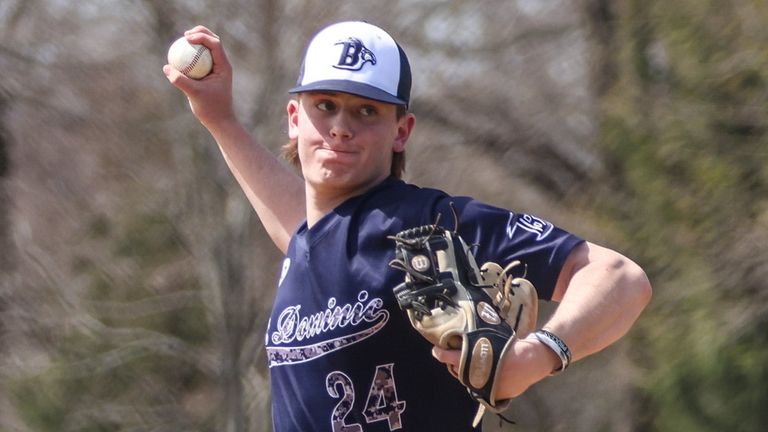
(343, 181)
(330, 177)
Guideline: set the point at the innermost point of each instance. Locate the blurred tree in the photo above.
(6, 244)
(137, 282)
(684, 134)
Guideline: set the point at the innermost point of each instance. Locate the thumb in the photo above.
(178, 79)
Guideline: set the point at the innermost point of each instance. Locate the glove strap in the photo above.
(482, 352)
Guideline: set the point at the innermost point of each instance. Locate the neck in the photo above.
(320, 202)
(317, 207)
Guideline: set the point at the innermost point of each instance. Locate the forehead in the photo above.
(344, 97)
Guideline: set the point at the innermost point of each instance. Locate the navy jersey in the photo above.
(342, 355)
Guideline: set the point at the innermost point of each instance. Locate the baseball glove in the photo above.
(456, 305)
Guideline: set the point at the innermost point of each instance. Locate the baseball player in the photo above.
(342, 355)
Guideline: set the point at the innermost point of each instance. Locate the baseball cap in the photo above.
(358, 58)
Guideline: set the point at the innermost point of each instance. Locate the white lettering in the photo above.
(540, 227)
(292, 326)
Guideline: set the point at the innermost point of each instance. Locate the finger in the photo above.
(200, 29)
(453, 370)
(449, 357)
(437, 353)
(213, 43)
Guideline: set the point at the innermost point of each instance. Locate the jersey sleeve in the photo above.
(502, 236)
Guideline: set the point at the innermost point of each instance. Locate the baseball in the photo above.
(192, 60)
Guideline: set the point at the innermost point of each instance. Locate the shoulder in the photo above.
(403, 198)
(392, 207)
(396, 187)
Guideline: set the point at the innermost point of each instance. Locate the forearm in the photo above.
(273, 189)
(601, 295)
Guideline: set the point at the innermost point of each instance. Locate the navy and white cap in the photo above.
(358, 58)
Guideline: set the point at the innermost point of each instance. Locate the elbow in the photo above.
(647, 290)
(637, 283)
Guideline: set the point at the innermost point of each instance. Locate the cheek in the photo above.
(306, 127)
(301, 150)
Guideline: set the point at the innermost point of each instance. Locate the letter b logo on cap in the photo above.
(354, 55)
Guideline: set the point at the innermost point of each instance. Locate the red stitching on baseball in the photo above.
(195, 59)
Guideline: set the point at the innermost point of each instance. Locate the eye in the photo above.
(368, 110)
(326, 105)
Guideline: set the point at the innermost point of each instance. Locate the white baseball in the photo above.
(192, 60)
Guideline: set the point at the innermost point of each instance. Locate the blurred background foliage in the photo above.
(136, 282)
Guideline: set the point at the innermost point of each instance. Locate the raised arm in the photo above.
(273, 189)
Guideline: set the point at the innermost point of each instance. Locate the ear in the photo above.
(293, 118)
(404, 128)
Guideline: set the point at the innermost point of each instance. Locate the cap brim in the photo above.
(351, 87)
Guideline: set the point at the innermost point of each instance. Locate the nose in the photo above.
(341, 128)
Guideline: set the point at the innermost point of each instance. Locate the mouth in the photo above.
(335, 150)
(335, 153)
